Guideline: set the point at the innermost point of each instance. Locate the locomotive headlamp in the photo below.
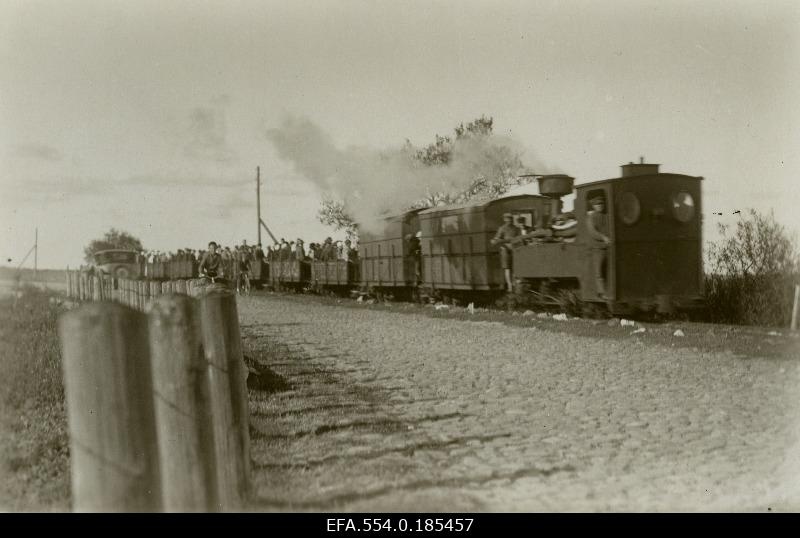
(682, 206)
(629, 208)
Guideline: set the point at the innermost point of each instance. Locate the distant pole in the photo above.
(35, 253)
(258, 202)
(795, 307)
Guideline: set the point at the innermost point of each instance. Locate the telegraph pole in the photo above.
(258, 202)
(35, 253)
(258, 207)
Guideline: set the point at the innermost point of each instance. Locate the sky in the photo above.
(151, 116)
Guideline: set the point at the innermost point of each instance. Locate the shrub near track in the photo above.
(754, 268)
(34, 455)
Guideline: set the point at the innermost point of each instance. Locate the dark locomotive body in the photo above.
(654, 260)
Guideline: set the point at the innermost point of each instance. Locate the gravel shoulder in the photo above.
(400, 407)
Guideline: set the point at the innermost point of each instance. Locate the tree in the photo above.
(332, 213)
(113, 239)
(494, 167)
(754, 268)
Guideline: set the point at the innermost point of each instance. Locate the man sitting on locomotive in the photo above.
(504, 236)
(597, 225)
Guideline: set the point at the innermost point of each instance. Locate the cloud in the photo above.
(184, 179)
(228, 206)
(58, 187)
(208, 134)
(39, 152)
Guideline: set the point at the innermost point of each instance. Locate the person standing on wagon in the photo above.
(505, 234)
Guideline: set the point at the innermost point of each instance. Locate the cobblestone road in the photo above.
(391, 411)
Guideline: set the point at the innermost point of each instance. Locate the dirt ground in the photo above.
(402, 407)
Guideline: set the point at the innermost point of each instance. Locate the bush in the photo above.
(30, 356)
(34, 452)
(754, 269)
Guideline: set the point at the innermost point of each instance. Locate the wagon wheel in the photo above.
(122, 272)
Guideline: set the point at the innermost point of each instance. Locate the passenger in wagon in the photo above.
(597, 226)
(327, 252)
(351, 253)
(299, 251)
(504, 236)
(285, 251)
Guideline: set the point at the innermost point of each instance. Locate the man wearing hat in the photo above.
(597, 226)
(299, 251)
(326, 253)
(504, 236)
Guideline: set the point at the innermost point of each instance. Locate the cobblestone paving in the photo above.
(403, 412)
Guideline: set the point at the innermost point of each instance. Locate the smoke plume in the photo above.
(373, 184)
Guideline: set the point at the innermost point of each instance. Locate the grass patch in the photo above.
(34, 442)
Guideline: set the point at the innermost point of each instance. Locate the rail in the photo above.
(156, 394)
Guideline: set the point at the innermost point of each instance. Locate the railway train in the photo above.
(653, 261)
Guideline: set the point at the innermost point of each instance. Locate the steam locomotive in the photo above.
(653, 261)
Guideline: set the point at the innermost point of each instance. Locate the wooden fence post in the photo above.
(109, 397)
(182, 406)
(96, 292)
(144, 289)
(228, 393)
(796, 306)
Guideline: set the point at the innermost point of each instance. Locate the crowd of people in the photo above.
(223, 259)
(251, 252)
(325, 251)
(218, 259)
